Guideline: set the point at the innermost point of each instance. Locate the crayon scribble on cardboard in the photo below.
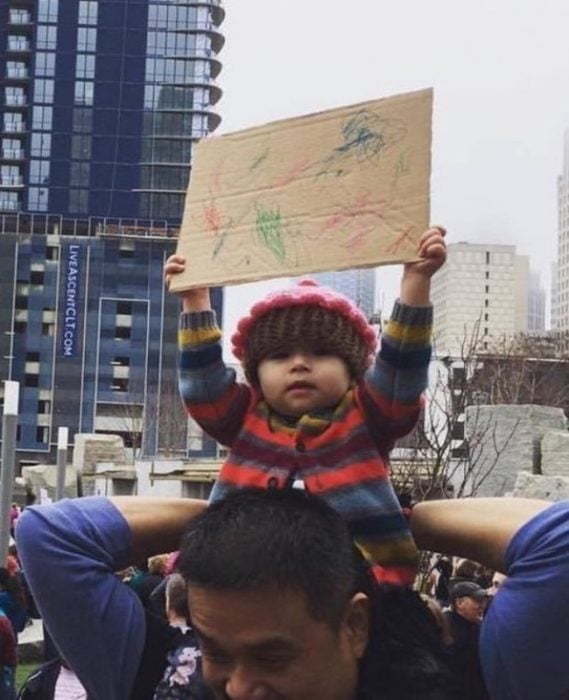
(339, 189)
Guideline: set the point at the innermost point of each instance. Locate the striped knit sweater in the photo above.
(342, 454)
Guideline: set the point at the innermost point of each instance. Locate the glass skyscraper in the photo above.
(101, 102)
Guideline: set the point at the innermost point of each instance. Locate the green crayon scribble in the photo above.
(219, 244)
(255, 164)
(270, 231)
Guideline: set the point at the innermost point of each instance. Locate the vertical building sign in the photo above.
(72, 301)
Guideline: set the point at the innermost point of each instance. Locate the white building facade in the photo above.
(560, 298)
(481, 295)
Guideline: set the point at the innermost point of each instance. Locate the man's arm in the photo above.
(70, 551)
(476, 528)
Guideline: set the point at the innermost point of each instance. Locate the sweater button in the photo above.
(300, 447)
(273, 482)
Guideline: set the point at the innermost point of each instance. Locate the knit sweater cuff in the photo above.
(198, 320)
(412, 315)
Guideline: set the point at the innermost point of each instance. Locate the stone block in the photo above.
(505, 439)
(548, 488)
(555, 453)
(42, 479)
(91, 448)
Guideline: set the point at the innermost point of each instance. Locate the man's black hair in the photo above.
(280, 539)
(287, 539)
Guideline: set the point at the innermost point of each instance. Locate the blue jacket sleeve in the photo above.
(525, 636)
(70, 551)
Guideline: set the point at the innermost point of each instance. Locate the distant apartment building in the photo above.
(536, 304)
(101, 105)
(357, 285)
(560, 298)
(480, 294)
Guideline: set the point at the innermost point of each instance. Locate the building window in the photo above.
(47, 11)
(487, 274)
(42, 434)
(46, 38)
(81, 147)
(78, 201)
(87, 39)
(42, 118)
(124, 308)
(41, 145)
(88, 12)
(39, 172)
(45, 64)
(43, 90)
(85, 66)
(48, 329)
(44, 408)
(80, 173)
(31, 380)
(36, 280)
(126, 249)
(120, 385)
(487, 257)
(84, 92)
(38, 198)
(122, 332)
(487, 289)
(83, 120)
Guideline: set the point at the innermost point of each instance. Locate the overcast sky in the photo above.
(500, 70)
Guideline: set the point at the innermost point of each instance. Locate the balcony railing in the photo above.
(13, 153)
(19, 17)
(11, 181)
(17, 72)
(18, 44)
(16, 100)
(9, 205)
(14, 127)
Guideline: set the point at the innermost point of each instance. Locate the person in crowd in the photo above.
(154, 577)
(14, 515)
(437, 612)
(317, 407)
(13, 600)
(440, 580)
(53, 680)
(183, 671)
(467, 606)
(283, 604)
(498, 580)
(8, 659)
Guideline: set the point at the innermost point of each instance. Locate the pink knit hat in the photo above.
(308, 314)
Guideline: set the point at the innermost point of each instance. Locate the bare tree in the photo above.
(439, 461)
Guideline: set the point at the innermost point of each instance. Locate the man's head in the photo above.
(177, 599)
(276, 590)
(468, 600)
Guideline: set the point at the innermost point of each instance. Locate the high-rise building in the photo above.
(101, 102)
(560, 299)
(480, 294)
(536, 304)
(357, 285)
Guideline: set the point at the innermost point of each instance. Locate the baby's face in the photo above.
(295, 382)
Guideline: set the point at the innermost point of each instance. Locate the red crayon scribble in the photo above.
(405, 236)
(356, 240)
(212, 219)
(292, 173)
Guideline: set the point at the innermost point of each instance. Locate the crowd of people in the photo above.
(297, 581)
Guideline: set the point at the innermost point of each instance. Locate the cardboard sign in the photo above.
(340, 189)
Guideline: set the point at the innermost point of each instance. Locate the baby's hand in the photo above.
(196, 299)
(433, 251)
(174, 266)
